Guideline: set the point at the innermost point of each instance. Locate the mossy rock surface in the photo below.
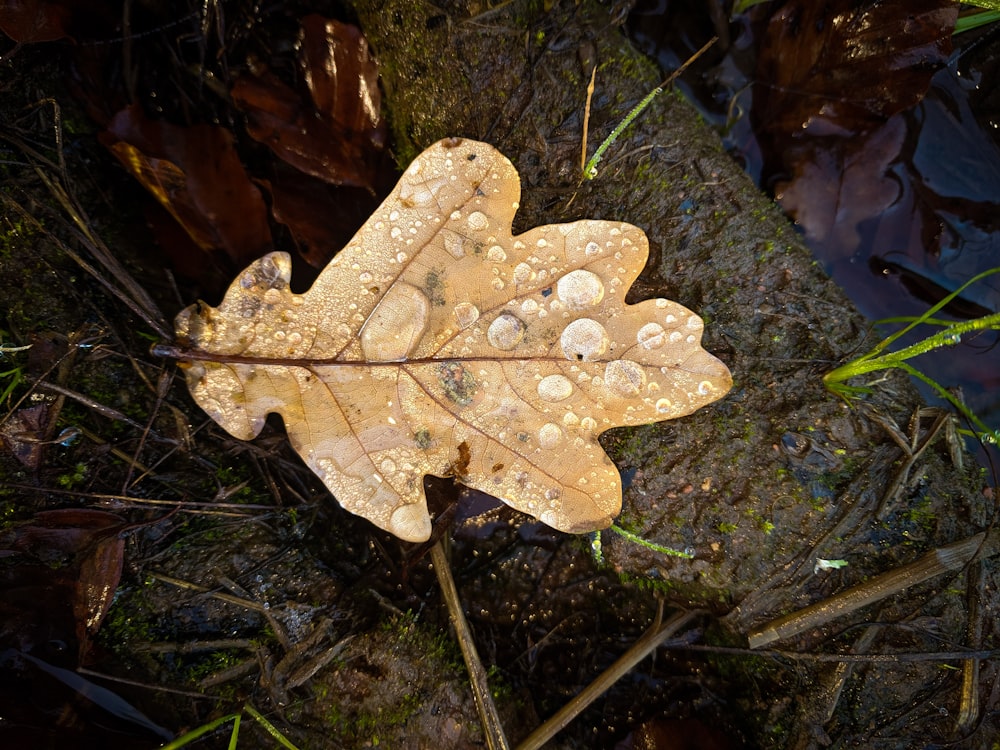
(780, 472)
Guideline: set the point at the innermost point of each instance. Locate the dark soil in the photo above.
(242, 582)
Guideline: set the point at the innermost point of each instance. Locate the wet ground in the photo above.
(896, 194)
(147, 553)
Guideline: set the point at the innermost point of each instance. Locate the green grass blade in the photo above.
(636, 539)
(197, 732)
(970, 21)
(234, 738)
(269, 727)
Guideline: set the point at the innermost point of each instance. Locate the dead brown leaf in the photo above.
(837, 67)
(334, 132)
(438, 343)
(196, 175)
(840, 183)
(320, 217)
(85, 555)
(33, 21)
(24, 434)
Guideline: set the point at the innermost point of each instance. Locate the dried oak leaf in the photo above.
(438, 343)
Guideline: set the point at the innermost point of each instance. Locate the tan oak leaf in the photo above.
(438, 343)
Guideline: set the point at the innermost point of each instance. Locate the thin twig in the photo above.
(969, 707)
(586, 120)
(642, 648)
(101, 409)
(495, 738)
(952, 557)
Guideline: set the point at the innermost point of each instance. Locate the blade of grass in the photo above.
(878, 359)
(590, 171)
(269, 727)
(197, 732)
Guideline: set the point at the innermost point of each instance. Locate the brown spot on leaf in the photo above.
(461, 467)
(458, 384)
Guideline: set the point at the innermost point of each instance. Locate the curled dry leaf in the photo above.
(438, 343)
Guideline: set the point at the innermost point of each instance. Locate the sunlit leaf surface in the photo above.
(438, 343)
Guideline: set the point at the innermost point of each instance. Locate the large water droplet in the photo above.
(584, 340)
(554, 388)
(477, 221)
(580, 289)
(651, 336)
(466, 314)
(394, 328)
(455, 244)
(624, 377)
(522, 273)
(549, 435)
(506, 332)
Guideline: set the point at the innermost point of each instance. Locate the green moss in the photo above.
(214, 662)
(10, 511)
(758, 520)
(14, 234)
(231, 477)
(73, 478)
(127, 622)
(437, 646)
(922, 514)
(367, 725)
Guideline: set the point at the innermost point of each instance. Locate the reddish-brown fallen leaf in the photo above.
(195, 174)
(837, 67)
(66, 531)
(320, 217)
(29, 21)
(34, 21)
(97, 582)
(839, 183)
(677, 734)
(86, 555)
(334, 131)
(22, 434)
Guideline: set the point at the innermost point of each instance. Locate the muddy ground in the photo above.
(243, 582)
